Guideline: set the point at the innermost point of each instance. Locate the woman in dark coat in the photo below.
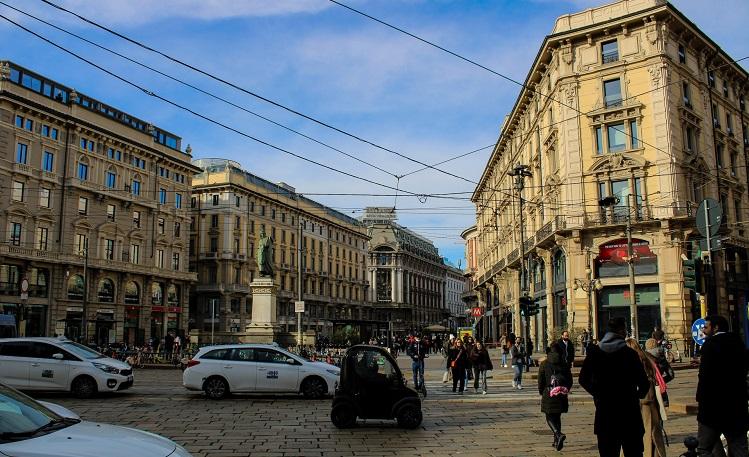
(480, 361)
(554, 382)
(457, 360)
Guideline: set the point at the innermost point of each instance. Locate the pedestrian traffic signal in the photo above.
(529, 306)
(692, 274)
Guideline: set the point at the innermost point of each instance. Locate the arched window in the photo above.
(172, 295)
(105, 291)
(132, 293)
(75, 287)
(157, 293)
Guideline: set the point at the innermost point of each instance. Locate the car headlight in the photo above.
(334, 372)
(106, 368)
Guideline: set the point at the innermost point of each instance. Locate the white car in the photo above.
(261, 368)
(29, 428)
(58, 364)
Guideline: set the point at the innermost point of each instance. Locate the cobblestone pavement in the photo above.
(505, 422)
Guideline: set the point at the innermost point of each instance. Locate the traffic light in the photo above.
(534, 308)
(529, 306)
(692, 274)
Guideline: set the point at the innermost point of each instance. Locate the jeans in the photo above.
(479, 375)
(504, 358)
(417, 366)
(709, 439)
(518, 378)
(459, 377)
(612, 445)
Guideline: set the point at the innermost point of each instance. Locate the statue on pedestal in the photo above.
(264, 255)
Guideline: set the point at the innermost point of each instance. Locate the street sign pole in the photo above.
(709, 217)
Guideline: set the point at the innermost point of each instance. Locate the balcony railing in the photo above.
(609, 58)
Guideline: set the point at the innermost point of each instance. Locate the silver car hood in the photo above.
(91, 439)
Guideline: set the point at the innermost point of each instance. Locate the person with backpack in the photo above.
(517, 353)
(554, 384)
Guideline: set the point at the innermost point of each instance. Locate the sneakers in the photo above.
(514, 385)
(520, 387)
(483, 392)
(560, 441)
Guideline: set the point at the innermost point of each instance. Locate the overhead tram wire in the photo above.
(251, 93)
(198, 89)
(199, 115)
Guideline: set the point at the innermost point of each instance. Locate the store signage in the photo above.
(616, 251)
(476, 312)
(167, 309)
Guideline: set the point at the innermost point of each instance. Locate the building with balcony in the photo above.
(95, 216)
(230, 208)
(627, 100)
(406, 272)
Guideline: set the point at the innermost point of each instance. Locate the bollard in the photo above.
(691, 444)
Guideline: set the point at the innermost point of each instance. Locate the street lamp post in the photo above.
(589, 285)
(520, 172)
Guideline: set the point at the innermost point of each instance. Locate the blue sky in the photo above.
(336, 66)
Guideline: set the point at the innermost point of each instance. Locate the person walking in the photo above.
(457, 359)
(585, 341)
(613, 374)
(569, 348)
(722, 390)
(504, 348)
(481, 362)
(517, 353)
(653, 440)
(418, 352)
(528, 354)
(554, 384)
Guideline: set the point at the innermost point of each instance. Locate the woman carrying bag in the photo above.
(554, 384)
(457, 360)
(481, 363)
(651, 406)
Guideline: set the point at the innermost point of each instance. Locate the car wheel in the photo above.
(83, 387)
(314, 387)
(409, 416)
(343, 415)
(216, 388)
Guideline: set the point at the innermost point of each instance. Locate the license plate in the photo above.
(130, 378)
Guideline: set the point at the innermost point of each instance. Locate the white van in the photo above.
(58, 364)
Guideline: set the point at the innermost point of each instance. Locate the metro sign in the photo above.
(477, 312)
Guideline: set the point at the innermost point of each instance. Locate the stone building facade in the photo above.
(455, 285)
(230, 208)
(628, 100)
(406, 272)
(95, 216)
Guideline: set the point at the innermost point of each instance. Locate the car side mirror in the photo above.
(291, 361)
(58, 356)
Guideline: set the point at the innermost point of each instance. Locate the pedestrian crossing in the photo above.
(496, 391)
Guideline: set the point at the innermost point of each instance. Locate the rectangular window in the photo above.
(737, 210)
(175, 262)
(178, 201)
(136, 219)
(15, 234)
(111, 180)
(45, 130)
(109, 249)
(19, 122)
(272, 213)
(82, 171)
(214, 221)
(135, 253)
(44, 201)
(193, 202)
(215, 200)
(682, 54)
(22, 153)
(29, 125)
(81, 244)
(177, 229)
(734, 164)
(252, 226)
(612, 92)
(41, 238)
(237, 201)
(82, 205)
(135, 188)
(725, 89)
(237, 223)
(162, 196)
(110, 153)
(262, 210)
(160, 258)
(719, 155)
(48, 161)
(111, 212)
(18, 188)
(599, 140)
(54, 134)
(729, 123)
(214, 244)
(609, 51)
(161, 224)
(687, 94)
(617, 137)
(689, 138)
(633, 134)
(711, 79)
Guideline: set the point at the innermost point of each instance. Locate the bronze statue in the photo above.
(264, 255)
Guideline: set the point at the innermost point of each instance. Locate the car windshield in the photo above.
(21, 415)
(81, 350)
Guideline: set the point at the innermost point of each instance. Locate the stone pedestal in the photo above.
(263, 328)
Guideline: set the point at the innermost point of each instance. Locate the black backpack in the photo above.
(665, 368)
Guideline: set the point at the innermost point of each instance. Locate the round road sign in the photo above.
(25, 285)
(697, 331)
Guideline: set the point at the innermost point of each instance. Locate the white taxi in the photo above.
(58, 364)
(258, 368)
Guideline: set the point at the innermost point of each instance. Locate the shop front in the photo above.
(104, 327)
(613, 302)
(133, 335)
(33, 318)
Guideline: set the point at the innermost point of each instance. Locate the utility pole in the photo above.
(520, 172)
(213, 317)
(631, 265)
(84, 320)
(299, 281)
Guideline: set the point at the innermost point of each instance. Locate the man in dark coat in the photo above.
(568, 348)
(418, 352)
(613, 374)
(722, 390)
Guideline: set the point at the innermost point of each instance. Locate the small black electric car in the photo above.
(372, 387)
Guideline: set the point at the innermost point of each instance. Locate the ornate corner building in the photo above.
(628, 100)
(230, 208)
(94, 216)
